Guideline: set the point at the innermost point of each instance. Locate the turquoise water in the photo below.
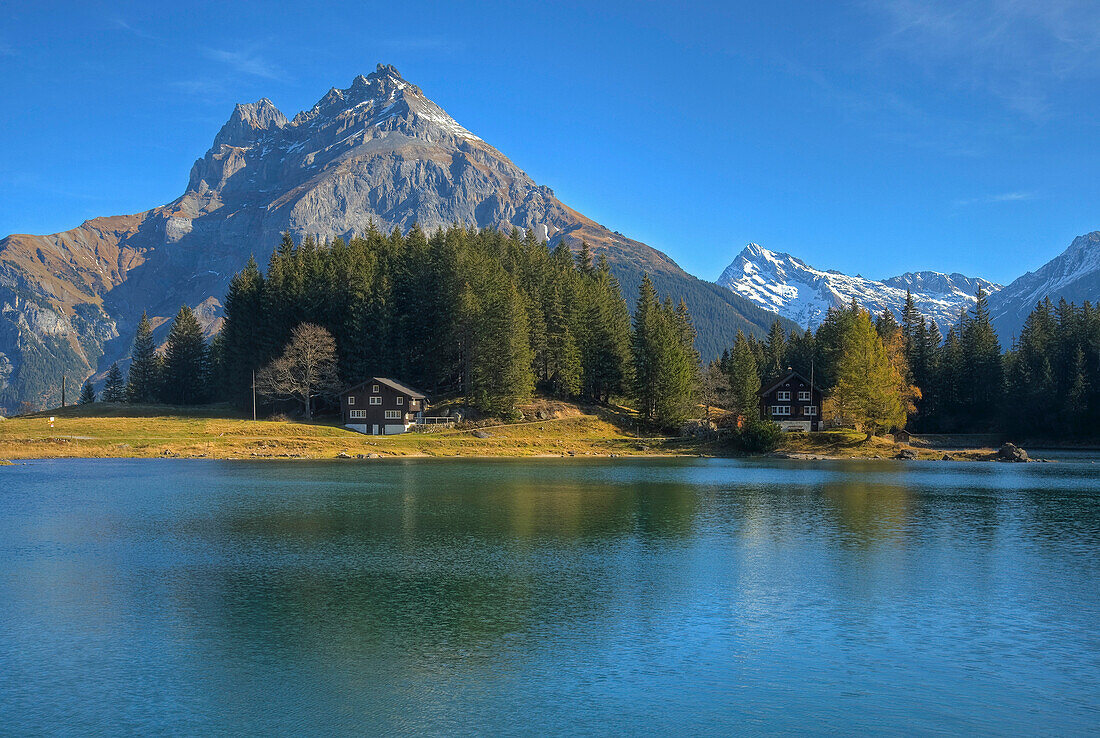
(549, 597)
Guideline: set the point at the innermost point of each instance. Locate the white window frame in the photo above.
(803, 395)
(781, 409)
(400, 400)
(374, 389)
(376, 400)
(783, 395)
(357, 413)
(811, 409)
(351, 399)
(393, 415)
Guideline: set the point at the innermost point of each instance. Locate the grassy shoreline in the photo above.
(127, 431)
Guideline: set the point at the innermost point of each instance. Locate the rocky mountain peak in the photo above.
(247, 120)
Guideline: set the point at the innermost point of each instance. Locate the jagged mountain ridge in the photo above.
(787, 285)
(378, 151)
(1074, 275)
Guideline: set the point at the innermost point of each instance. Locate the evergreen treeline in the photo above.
(489, 315)
(1047, 384)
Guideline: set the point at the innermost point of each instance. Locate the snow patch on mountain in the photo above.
(1074, 275)
(794, 289)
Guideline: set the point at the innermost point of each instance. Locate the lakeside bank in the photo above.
(129, 431)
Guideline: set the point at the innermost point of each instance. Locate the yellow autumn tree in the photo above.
(868, 394)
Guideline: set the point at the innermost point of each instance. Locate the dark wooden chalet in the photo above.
(381, 406)
(793, 403)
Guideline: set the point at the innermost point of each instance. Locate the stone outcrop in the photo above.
(1012, 452)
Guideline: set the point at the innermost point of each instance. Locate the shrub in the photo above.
(759, 436)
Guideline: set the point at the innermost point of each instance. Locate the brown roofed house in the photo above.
(381, 406)
(792, 402)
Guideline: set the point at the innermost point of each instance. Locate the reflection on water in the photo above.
(547, 596)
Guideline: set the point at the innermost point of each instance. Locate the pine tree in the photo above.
(114, 387)
(563, 360)
(911, 320)
(242, 343)
(87, 393)
(886, 324)
(500, 367)
(982, 372)
(606, 351)
(186, 361)
(144, 379)
(775, 353)
(644, 348)
(744, 379)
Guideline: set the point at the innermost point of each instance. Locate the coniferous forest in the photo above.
(1047, 384)
(498, 317)
(488, 315)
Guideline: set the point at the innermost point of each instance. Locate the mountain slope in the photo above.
(790, 287)
(377, 152)
(1074, 275)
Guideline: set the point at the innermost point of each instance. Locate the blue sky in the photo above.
(871, 137)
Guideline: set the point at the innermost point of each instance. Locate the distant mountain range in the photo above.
(378, 151)
(788, 286)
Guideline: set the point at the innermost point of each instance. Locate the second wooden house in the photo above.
(792, 402)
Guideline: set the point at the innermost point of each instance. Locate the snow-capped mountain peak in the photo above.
(787, 285)
(1074, 275)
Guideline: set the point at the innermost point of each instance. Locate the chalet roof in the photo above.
(786, 377)
(392, 384)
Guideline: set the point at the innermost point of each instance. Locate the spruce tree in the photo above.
(114, 387)
(775, 353)
(242, 343)
(563, 359)
(981, 377)
(645, 339)
(144, 378)
(87, 393)
(744, 379)
(606, 351)
(186, 361)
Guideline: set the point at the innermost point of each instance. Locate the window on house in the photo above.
(393, 415)
(811, 410)
(803, 395)
(351, 400)
(358, 413)
(783, 395)
(374, 388)
(400, 400)
(376, 400)
(781, 409)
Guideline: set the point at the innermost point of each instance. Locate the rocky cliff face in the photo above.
(1074, 275)
(797, 291)
(377, 152)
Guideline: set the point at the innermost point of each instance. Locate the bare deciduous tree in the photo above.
(307, 368)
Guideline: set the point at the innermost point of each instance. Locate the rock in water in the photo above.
(1012, 452)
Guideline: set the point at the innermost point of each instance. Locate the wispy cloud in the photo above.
(996, 198)
(246, 62)
(1015, 50)
(6, 50)
(122, 25)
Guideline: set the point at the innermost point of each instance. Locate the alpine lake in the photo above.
(549, 597)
